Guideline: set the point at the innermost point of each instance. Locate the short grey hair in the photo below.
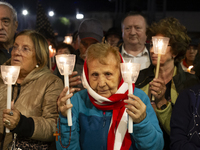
(14, 13)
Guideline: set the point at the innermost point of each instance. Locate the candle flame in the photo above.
(129, 65)
(52, 51)
(62, 59)
(68, 39)
(189, 68)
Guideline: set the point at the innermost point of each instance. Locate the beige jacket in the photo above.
(37, 99)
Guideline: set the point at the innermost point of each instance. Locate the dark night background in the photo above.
(67, 9)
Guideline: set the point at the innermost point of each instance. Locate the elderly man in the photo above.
(134, 36)
(8, 27)
(99, 113)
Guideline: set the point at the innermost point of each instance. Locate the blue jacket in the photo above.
(90, 126)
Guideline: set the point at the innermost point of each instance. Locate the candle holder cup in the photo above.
(160, 46)
(9, 72)
(130, 72)
(9, 75)
(65, 63)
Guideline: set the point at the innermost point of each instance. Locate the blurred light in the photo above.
(25, 12)
(68, 39)
(64, 21)
(79, 16)
(51, 13)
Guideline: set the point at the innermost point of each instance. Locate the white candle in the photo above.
(9, 92)
(160, 44)
(128, 78)
(66, 80)
(130, 91)
(130, 120)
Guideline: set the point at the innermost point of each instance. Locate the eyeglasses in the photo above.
(25, 49)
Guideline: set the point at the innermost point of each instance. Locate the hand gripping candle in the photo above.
(130, 72)
(65, 63)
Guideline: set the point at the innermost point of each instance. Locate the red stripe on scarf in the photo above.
(184, 63)
(117, 105)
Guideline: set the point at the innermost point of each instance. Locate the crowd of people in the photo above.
(100, 99)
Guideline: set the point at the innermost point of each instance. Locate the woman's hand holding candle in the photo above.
(62, 106)
(12, 116)
(135, 108)
(158, 89)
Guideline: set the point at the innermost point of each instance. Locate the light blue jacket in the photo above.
(90, 126)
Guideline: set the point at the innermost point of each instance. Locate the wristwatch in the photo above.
(164, 106)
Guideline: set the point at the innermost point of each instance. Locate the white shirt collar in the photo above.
(144, 52)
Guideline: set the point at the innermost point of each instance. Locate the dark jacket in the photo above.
(185, 120)
(181, 80)
(4, 55)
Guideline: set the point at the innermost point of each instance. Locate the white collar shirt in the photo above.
(142, 58)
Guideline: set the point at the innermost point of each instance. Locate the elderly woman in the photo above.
(171, 78)
(33, 114)
(99, 115)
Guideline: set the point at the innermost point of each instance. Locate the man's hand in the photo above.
(74, 81)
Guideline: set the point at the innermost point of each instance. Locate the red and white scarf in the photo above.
(118, 136)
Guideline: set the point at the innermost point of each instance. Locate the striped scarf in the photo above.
(118, 136)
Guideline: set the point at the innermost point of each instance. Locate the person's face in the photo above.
(164, 59)
(134, 30)
(84, 44)
(113, 40)
(104, 79)
(63, 51)
(23, 54)
(7, 26)
(191, 53)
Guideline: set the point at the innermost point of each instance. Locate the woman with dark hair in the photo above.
(191, 57)
(33, 114)
(64, 48)
(114, 37)
(171, 78)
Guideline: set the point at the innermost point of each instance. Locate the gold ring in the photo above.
(7, 122)
(159, 92)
